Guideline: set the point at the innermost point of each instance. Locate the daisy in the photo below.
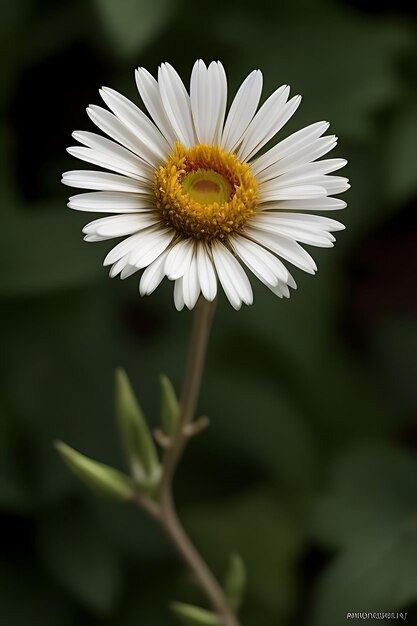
(189, 194)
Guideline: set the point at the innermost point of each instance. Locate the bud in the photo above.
(194, 616)
(98, 476)
(137, 439)
(170, 409)
(235, 581)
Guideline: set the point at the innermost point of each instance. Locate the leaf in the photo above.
(369, 513)
(194, 616)
(169, 406)
(138, 443)
(235, 581)
(132, 24)
(97, 476)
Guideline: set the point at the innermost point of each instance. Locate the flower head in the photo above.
(188, 193)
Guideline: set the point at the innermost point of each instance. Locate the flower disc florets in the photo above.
(205, 192)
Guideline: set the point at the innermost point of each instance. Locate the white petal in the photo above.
(332, 184)
(206, 273)
(307, 235)
(108, 161)
(288, 249)
(120, 225)
(314, 168)
(190, 284)
(313, 204)
(252, 261)
(208, 94)
(291, 282)
(276, 123)
(176, 102)
(259, 260)
(115, 129)
(123, 249)
(149, 92)
(178, 295)
(179, 259)
(112, 150)
(218, 83)
(303, 155)
(154, 143)
(288, 145)
(301, 192)
(270, 118)
(109, 202)
(280, 290)
(242, 110)
(154, 242)
(127, 271)
(300, 219)
(232, 276)
(153, 275)
(103, 181)
(118, 267)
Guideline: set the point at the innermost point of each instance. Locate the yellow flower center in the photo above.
(205, 192)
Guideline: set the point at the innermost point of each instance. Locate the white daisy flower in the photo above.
(188, 193)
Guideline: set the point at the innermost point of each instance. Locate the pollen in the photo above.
(205, 192)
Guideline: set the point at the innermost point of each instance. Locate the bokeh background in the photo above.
(309, 467)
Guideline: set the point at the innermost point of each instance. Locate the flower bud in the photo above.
(98, 476)
(194, 616)
(170, 410)
(137, 440)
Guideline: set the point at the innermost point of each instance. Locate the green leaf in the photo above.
(194, 616)
(138, 443)
(235, 581)
(132, 24)
(169, 406)
(98, 476)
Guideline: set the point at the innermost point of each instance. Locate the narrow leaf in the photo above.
(235, 581)
(99, 477)
(194, 616)
(170, 408)
(137, 440)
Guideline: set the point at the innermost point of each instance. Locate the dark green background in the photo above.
(309, 467)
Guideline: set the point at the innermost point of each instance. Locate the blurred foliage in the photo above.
(309, 468)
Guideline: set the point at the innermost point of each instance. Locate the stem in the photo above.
(209, 585)
(165, 512)
(190, 389)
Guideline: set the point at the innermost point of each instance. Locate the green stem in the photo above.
(166, 512)
(190, 388)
